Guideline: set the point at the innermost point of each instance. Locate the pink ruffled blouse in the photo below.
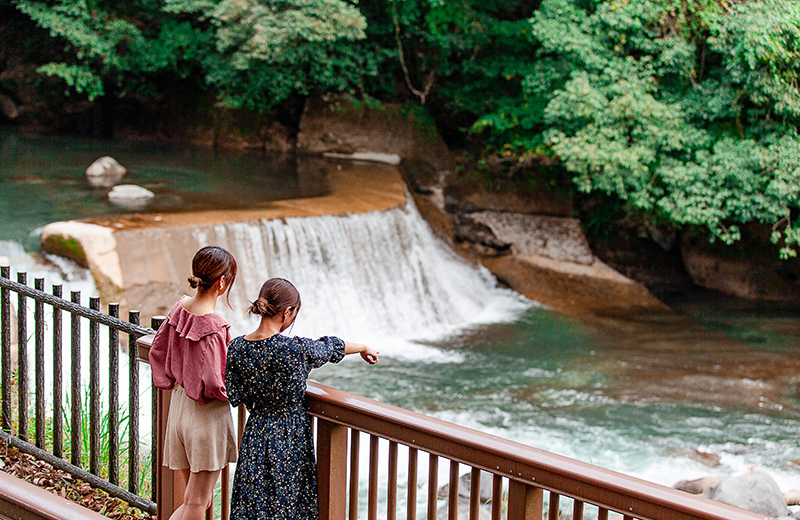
(190, 350)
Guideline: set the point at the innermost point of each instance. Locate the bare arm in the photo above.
(368, 354)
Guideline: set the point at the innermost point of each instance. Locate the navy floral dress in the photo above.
(276, 477)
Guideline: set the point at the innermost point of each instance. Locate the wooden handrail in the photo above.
(516, 461)
(529, 470)
(21, 499)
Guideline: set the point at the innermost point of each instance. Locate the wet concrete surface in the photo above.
(353, 187)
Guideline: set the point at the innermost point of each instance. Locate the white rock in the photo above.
(792, 497)
(130, 196)
(386, 158)
(105, 172)
(755, 491)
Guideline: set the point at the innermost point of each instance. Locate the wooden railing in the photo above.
(521, 476)
(525, 483)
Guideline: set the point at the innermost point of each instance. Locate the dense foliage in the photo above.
(685, 110)
(247, 53)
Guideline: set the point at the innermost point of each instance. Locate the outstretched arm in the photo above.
(368, 354)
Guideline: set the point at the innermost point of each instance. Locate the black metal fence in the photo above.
(98, 451)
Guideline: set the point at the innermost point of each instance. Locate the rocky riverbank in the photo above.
(523, 229)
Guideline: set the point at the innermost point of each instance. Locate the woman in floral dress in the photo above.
(276, 472)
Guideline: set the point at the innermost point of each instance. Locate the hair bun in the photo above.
(262, 307)
(194, 281)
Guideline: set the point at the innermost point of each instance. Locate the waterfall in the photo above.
(363, 276)
(55, 270)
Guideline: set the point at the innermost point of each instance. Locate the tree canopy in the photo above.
(687, 111)
(247, 53)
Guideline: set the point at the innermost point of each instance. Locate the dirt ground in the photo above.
(63, 484)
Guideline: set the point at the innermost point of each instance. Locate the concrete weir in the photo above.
(132, 256)
(143, 259)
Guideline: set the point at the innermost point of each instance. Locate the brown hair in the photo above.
(276, 295)
(210, 264)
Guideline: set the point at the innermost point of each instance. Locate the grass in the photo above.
(145, 459)
(104, 446)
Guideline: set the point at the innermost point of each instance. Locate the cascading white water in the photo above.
(365, 276)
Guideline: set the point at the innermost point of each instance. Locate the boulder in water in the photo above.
(755, 491)
(792, 497)
(464, 486)
(105, 172)
(709, 459)
(700, 486)
(130, 196)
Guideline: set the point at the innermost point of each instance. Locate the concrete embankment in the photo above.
(134, 257)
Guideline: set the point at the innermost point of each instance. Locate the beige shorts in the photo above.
(199, 436)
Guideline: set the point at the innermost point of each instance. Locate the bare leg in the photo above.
(197, 498)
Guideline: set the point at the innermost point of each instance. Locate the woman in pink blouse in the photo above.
(188, 357)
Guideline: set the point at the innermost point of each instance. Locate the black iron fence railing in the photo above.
(95, 448)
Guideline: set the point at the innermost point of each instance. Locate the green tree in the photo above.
(114, 47)
(683, 109)
(267, 51)
(252, 54)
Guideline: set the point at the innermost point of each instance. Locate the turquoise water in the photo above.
(635, 394)
(43, 180)
(556, 385)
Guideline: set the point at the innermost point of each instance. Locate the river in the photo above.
(639, 394)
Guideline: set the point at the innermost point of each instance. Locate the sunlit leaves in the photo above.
(80, 78)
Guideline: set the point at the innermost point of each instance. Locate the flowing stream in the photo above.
(641, 396)
(456, 346)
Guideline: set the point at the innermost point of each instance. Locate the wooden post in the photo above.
(524, 502)
(170, 486)
(332, 470)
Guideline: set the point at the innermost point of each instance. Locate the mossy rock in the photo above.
(68, 247)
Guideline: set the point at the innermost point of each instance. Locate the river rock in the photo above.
(9, 108)
(464, 483)
(130, 196)
(104, 172)
(792, 497)
(699, 486)
(709, 459)
(755, 491)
